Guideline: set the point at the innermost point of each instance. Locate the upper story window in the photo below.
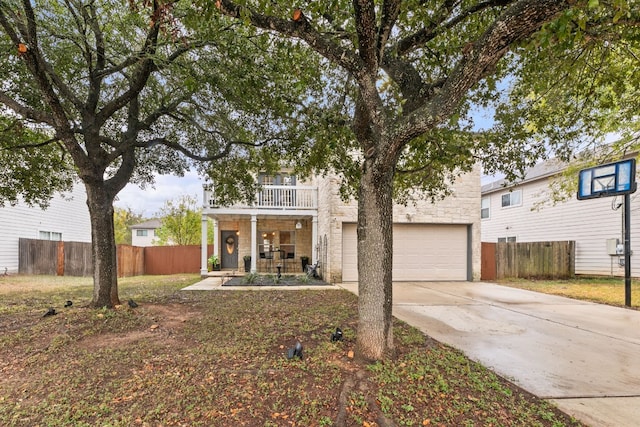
(278, 179)
(267, 180)
(513, 198)
(485, 205)
(142, 233)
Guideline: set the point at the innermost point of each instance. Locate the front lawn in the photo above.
(219, 358)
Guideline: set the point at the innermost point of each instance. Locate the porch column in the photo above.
(215, 237)
(203, 247)
(314, 240)
(254, 251)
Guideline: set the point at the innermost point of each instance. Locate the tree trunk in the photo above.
(103, 247)
(375, 249)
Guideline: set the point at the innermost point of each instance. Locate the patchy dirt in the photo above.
(168, 320)
(220, 359)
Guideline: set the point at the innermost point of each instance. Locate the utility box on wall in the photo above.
(612, 246)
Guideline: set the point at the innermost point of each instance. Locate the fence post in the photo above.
(60, 265)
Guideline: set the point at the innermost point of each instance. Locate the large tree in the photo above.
(397, 111)
(125, 91)
(577, 87)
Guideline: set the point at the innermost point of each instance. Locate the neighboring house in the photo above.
(66, 219)
(292, 219)
(517, 213)
(143, 234)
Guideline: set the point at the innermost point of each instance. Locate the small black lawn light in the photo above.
(295, 352)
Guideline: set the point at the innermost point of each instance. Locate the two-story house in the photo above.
(144, 233)
(66, 219)
(291, 219)
(523, 212)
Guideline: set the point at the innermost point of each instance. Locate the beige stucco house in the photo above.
(292, 219)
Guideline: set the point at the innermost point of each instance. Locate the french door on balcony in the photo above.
(274, 191)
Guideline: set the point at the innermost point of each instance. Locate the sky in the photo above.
(148, 202)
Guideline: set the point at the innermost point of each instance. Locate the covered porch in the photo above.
(279, 229)
(269, 240)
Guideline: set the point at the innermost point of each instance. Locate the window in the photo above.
(51, 235)
(485, 203)
(142, 233)
(513, 198)
(511, 239)
(277, 241)
(267, 180)
(287, 244)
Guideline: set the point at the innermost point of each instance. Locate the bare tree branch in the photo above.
(520, 20)
(30, 113)
(41, 144)
(366, 29)
(439, 25)
(390, 12)
(328, 47)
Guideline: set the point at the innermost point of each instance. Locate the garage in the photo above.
(421, 252)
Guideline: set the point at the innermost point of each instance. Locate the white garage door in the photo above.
(420, 252)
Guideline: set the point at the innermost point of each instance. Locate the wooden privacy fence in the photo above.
(130, 260)
(55, 258)
(74, 258)
(543, 260)
(173, 259)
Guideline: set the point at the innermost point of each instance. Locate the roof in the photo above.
(151, 224)
(541, 170)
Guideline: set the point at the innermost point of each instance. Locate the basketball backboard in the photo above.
(611, 179)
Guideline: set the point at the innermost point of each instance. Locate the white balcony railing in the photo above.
(273, 197)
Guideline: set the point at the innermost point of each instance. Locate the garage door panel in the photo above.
(421, 252)
(349, 253)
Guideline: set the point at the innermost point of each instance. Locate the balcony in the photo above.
(271, 197)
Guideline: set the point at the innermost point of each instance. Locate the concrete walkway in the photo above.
(584, 357)
(215, 284)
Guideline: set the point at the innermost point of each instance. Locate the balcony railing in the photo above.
(273, 197)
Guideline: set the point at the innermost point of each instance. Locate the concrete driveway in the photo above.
(584, 357)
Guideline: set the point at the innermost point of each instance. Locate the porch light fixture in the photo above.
(298, 225)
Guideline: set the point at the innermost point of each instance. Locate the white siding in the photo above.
(68, 215)
(143, 240)
(588, 222)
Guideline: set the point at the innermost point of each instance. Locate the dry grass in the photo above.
(219, 359)
(604, 290)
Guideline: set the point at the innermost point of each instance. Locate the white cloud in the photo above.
(167, 187)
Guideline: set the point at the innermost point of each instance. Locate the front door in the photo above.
(229, 249)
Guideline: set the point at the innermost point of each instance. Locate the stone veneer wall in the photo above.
(462, 207)
(302, 236)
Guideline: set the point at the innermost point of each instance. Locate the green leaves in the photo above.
(34, 167)
(575, 86)
(180, 222)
